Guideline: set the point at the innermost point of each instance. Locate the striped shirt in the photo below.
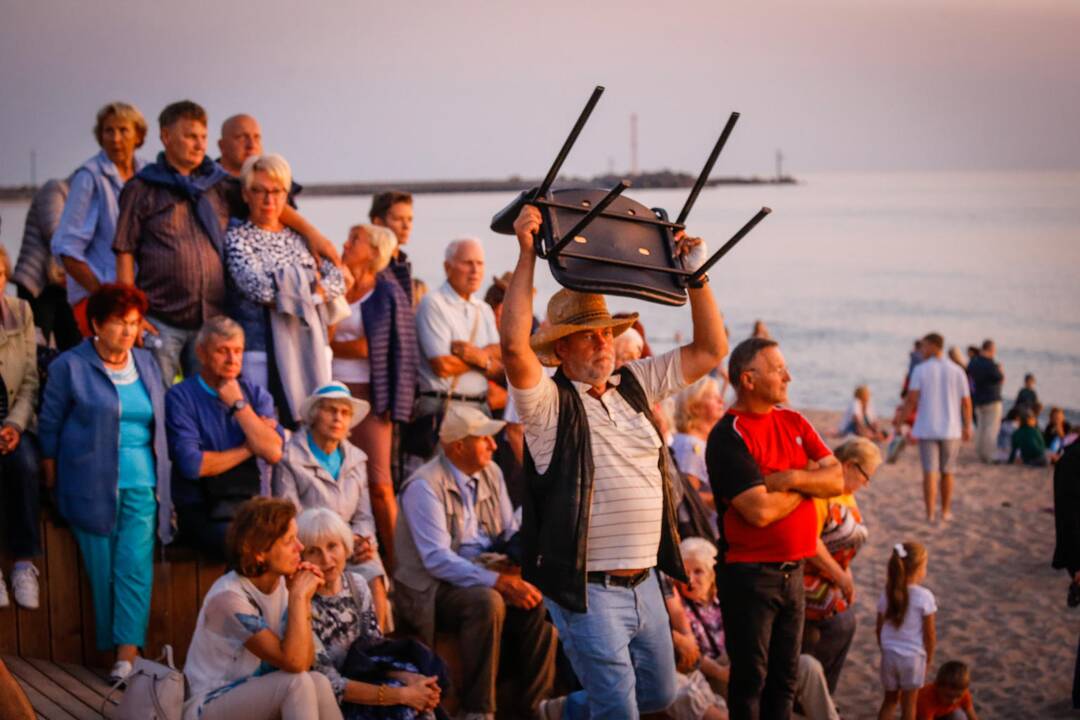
(628, 498)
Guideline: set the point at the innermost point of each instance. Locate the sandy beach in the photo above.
(1001, 608)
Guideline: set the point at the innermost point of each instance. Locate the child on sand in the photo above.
(948, 696)
(1028, 443)
(905, 630)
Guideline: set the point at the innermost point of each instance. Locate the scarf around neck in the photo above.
(193, 187)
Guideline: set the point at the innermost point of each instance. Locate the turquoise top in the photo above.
(136, 429)
(332, 462)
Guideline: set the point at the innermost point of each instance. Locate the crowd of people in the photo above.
(190, 360)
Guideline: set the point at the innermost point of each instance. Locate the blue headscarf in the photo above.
(193, 187)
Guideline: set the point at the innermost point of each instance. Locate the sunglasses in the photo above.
(862, 472)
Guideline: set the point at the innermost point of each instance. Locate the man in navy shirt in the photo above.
(986, 379)
(218, 424)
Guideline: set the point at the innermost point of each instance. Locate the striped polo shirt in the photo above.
(628, 499)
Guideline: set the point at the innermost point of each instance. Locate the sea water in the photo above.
(846, 272)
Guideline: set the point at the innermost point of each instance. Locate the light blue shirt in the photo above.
(427, 522)
(443, 317)
(88, 223)
(330, 463)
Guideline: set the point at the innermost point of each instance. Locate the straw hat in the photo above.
(335, 391)
(462, 421)
(569, 312)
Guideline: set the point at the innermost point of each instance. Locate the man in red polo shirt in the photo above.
(765, 463)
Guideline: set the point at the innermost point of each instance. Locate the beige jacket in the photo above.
(18, 365)
(415, 587)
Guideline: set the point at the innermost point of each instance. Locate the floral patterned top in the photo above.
(707, 624)
(253, 255)
(340, 621)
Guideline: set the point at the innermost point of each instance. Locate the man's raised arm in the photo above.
(523, 368)
(709, 344)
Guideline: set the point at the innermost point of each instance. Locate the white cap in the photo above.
(462, 421)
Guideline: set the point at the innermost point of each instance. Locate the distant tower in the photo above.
(779, 165)
(633, 144)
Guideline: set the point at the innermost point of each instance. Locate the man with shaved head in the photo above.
(241, 138)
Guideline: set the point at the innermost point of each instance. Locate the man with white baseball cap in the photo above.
(454, 509)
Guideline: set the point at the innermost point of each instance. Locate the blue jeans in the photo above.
(621, 651)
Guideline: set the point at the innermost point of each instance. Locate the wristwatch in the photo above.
(237, 406)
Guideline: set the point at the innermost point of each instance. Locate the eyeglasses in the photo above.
(273, 193)
(862, 472)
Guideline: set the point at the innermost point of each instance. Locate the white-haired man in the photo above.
(454, 510)
(598, 510)
(459, 341)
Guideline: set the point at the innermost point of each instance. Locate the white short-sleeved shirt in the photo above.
(352, 370)
(445, 316)
(627, 506)
(908, 638)
(217, 661)
(942, 386)
(689, 454)
(856, 409)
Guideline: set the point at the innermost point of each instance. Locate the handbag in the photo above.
(154, 691)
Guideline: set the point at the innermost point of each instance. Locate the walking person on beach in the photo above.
(939, 395)
(905, 630)
(765, 463)
(986, 379)
(599, 518)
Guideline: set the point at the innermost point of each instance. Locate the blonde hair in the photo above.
(686, 402)
(317, 525)
(382, 240)
(859, 450)
(275, 166)
(5, 261)
(901, 567)
(123, 111)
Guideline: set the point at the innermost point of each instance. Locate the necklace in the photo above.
(115, 364)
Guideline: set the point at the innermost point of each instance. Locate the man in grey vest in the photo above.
(599, 514)
(455, 511)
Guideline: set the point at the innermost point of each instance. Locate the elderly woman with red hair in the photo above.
(102, 433)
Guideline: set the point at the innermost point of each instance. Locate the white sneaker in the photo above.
(24, 581)
(551, 709)
(4, 599)
(120, 670)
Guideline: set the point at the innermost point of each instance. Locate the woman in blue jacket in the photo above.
(102, 433)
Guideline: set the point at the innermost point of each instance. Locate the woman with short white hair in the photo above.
(401, 674)
(697, 410)
(320, 468)
(257, 249)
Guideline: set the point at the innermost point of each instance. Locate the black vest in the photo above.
(555, 514)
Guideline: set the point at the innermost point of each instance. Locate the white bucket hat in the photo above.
(335, 391)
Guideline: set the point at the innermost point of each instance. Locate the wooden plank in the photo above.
(65, 621)
(43, 706)
(29, 675)
(93, 680)
(208, 575)
(9, 630)
(34, 624)
(159, 632)
(184, 597)
(91, 655)
(72, 685)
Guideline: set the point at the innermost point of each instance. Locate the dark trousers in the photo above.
(489, 631)
(1076, 680)
(53, 315)
(834, 643)
(21, 498)
(763, 609)
(198, 531)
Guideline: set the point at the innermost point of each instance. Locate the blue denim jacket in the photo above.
(79, 427)
(88, 224)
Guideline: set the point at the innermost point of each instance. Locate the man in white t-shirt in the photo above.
(939, 393)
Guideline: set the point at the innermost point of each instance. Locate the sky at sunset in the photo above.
(382, 91)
